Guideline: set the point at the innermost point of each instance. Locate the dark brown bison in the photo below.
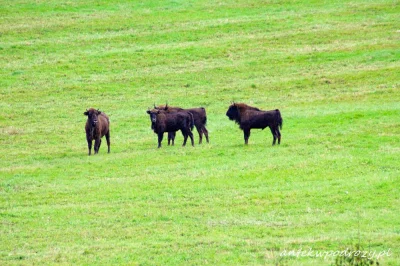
(97, 125)
(163, 121)
(199, 116)
(171, 135)
(251, 117)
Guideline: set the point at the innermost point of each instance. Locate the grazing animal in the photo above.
(251, 117)
(172, 134)
(97, 126)
(163, 121)
(199, 116)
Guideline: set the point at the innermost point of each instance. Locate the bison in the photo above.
(199, 116)
(163, 121)
(251, 117)
(171, 135)
(97, 125)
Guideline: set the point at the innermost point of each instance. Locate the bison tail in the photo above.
(204, 115)
(191, 121)
(279, 118)
(191, 124)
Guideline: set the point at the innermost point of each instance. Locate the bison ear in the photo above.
(148, 111)
(98, 111)
(86, 113)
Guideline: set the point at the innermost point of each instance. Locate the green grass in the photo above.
(331, 67)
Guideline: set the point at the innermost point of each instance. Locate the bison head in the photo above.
(233, 113)
(92, 115)
(153, 116)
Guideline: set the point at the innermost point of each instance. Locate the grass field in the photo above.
(331, 67)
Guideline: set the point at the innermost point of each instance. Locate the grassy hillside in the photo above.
(331, 67)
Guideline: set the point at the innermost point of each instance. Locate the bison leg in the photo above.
(274, 135)
(200, 131)
(171, 137)
(160, 138)
(205, 131)
(108, 140)
(96, 145)
(191, 137)
(187, 133)
(246, 133)
(89, 142)
(185, 136)
(279, 135)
